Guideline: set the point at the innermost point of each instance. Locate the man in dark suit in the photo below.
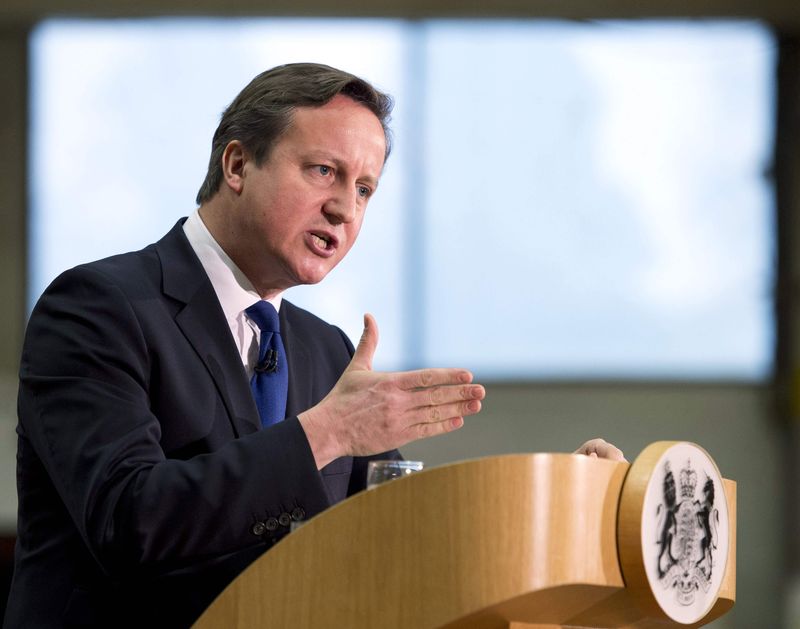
(147, 479)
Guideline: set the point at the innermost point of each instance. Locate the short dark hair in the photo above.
(264, 110)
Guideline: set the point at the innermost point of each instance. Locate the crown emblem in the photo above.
(688, 481)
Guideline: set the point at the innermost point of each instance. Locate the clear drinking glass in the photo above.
(383, 471)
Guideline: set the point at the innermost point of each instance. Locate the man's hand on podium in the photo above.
(600, 448)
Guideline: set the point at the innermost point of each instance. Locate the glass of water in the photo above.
(379, 472)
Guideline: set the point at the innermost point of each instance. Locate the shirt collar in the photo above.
(234, 291)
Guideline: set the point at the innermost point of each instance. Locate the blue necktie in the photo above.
(270, 381)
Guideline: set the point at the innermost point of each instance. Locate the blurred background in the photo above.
(594, 208)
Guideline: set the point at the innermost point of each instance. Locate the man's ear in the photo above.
(234, 157)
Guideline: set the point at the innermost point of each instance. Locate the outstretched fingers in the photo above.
(441, 409)
(438, 400)
(426, 378)
(447, 396)
(425, 430)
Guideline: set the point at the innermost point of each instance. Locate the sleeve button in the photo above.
(258, 528)
(271, 524)
(284, 519)
(298, 513)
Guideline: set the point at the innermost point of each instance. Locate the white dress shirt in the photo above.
(234, 291)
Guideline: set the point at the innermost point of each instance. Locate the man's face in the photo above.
(299, 213)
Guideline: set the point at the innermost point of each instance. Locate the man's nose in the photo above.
(342, 205)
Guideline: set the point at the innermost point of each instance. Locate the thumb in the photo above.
(362, 359)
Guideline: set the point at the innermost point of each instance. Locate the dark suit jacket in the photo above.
(145, 482)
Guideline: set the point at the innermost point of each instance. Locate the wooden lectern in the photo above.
(516, 541)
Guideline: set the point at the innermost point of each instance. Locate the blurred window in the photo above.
(563, 200)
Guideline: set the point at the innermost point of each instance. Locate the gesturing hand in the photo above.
(369, 412)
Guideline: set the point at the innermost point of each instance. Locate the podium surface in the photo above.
(525, 540)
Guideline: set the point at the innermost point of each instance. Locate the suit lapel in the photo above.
(203, 323)
(301, 372)
(302, 388)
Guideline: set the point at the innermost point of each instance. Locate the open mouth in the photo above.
(323, 242)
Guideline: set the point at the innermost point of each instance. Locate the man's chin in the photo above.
(312, 276)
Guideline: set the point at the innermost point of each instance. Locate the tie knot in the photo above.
(265, 316)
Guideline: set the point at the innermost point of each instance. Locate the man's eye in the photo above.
(363, 191)
(324, 170)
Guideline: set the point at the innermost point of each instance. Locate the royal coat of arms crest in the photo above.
(674, 531)
(687, 533)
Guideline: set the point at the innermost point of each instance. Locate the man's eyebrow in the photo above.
(340, 165)
(370, 181)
